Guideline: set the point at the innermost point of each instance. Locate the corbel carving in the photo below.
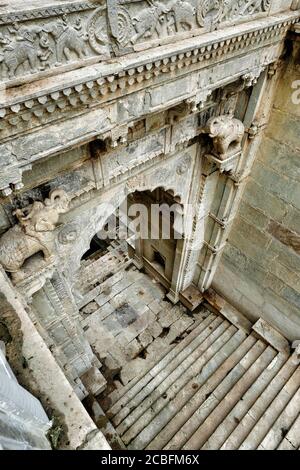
(255, 129)
(115, 137)
(251, 78)
(227, 134)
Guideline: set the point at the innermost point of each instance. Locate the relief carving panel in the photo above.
(37, 40)
(148, 20)
(31, 44)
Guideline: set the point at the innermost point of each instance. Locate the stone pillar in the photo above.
(232, 184)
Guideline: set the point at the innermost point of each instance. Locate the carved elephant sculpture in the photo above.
(67, 40)
(184, 14)
(16, 246)
(17, 54)
(227, 133)
(34, 232)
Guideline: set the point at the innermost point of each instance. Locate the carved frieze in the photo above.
(149, 20)
(37, 40)
(35, 43)
(25, 114)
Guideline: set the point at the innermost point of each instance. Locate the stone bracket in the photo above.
(226, 165)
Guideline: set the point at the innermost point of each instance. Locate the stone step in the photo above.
(168, 374)
(92, 294)
(181, 408)
(271, 336)
(282, 424)
(220, 387)
(219, 436)
(118, 398)
(160, 413)
(200, 413)
(198, 439)
(227, 310)
(136, 383)
(255, 412)
(96, 270)
(113, 268)
(292, 438)
(270, 415)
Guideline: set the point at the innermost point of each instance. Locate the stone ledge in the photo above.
(210, 44)
(272, 336)
(227, 310)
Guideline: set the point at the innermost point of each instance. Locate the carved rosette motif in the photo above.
(209, 13)
(96, 31)
(124, 27)
(183, 165)
(68, 234)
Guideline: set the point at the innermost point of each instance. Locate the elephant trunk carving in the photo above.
(34, 231)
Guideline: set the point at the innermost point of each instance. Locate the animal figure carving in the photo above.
(68, 39)
(34, 231)
(184, 14)
(227, 133)
(148, 20)
(23, 49)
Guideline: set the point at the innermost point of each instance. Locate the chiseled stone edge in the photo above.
(35, 13)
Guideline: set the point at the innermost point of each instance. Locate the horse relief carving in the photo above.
(227, 134)
(149, 20)
(164, 19)
(34, 232)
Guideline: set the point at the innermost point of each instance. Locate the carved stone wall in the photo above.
(102, 99)
(37, 40)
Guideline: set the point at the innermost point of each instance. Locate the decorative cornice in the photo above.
(106, 82)
(37, 42)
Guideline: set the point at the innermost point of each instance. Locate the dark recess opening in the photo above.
(97, 246)
(158, 258)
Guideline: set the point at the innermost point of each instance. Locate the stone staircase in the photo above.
(96, 270)
(220, 387)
